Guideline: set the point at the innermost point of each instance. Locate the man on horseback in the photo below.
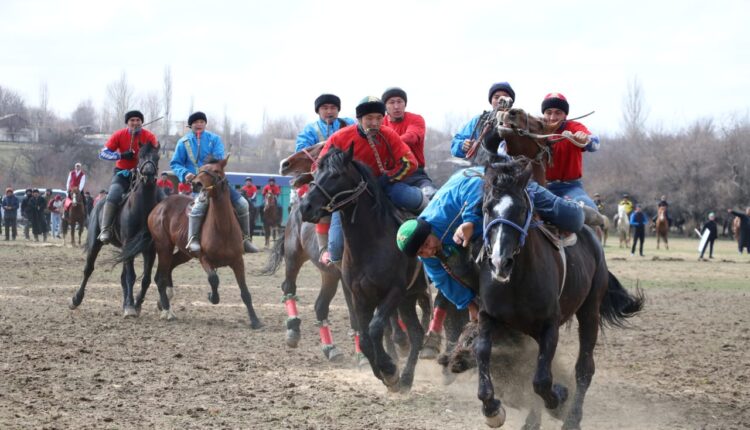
(191, 152)
(389, 158)
(453, 220)
(327, 106)
(411, 128)
(664, 204)
(76, 179)
(565, 174)
(465, 143)
(250, 189)
(599, 203)
(626, 203)
(122, 147)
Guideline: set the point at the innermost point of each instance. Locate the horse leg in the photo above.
(658, 239)
(588, 331)
(492, 409)
(293, 261)
(666, 241)
(553, 395)
(398, 334)
(163, 275)
(88, 269)
(408, 311)
(127, 279)
(388, 369)
(80, 232)
(328, 287)
(353, 324)
(148, 264)
(238, 267)
(364, 313)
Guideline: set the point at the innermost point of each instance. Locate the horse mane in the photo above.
(336, 160)
(504, 177)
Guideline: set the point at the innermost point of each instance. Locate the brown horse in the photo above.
(221, 239)
(662, 227)
(271, 217)
(76, 215)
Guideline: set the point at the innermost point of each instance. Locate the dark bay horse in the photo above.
(221, 239)
(526, 285)
(76, 217)
(271, 217)
(130, 227)
(381, 280)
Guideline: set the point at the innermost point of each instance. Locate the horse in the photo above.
(622, 223)
(381, 279)
(130, 227)
(662, 227)
(528, 284)
(605, 230)
(271, 216)
(76, 215)
(221, 240)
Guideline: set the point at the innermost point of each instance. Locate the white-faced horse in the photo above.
(622, 224)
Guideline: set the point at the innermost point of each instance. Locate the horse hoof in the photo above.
(428, 353)
(72, 304)
(449, 377)
(167, 315)
(292, 338)
(333, 354)
(496, 420)
(170, 293)
(213, 298)
(255, 324)
(158, 306)
(392, 382)
(362, 361)
(129, 312)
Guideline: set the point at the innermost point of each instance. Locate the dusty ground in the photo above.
(684, 365)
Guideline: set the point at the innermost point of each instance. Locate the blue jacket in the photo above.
(468, 131)
(638, 221)
(11, 201)
(319, 131)
(182, 163)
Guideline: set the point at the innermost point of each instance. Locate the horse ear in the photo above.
(223, 163)
(525, 175)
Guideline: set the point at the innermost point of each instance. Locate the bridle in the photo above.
(313, 159)
(218, 180)
(524, 231)
(353, 195)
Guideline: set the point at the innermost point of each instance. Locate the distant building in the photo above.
(15, 128)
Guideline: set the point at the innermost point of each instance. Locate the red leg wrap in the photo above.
(438, 318)
(325, 335)
(291, 308)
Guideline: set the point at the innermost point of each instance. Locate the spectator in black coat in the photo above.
(25, 206)
(10, 209)
(710, 225)
(37, 205)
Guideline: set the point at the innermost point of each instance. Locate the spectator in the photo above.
(25, 212)
(89, 201)
(37, 205)
(48, 198)
(638, 221)
(10, 207)
(56, 208)
(744, 240)
(710, 225)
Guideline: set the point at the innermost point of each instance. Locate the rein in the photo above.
(332, 205)
(218, 180)
(314, 161)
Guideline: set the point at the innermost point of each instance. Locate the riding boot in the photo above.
(194, 233)
(425, 202)
(108, 218)
(244, 219)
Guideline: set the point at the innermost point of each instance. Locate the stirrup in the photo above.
(105, 236)
(194, 244)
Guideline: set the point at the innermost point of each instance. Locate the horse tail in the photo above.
(619, 304)
(274, 260)
(92, 229)
(134, 246)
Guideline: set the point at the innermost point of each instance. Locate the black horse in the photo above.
(130, 225)
(526, 285)
(380, 278)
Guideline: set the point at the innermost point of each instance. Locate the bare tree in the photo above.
(85, 116)
(42, 115)
(151, 105)
(12, 102)
(119, 99)
(167, 99)
(226, 132)
(634, 112)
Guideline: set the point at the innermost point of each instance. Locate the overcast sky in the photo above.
(691, 57)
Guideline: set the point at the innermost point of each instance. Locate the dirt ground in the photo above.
(683, 365)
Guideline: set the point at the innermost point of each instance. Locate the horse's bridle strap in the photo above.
(332, 205)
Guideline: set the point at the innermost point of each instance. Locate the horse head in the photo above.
(148, 163)
(302, 161)
(338, 182)
(211, 178)
(522, 133)
(508, 210)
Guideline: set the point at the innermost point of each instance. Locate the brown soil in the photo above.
(684, 365)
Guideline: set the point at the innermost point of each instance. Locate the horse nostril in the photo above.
(507, 265)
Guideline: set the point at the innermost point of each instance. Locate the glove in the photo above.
(127, 155)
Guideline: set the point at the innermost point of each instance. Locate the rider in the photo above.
(599, 203)
(165, 184)
(327, 106)
(663, 203)
(389, 158)
(501, 96)
(250, 189)
(564, 175)
(76, 179)
(122, 147)
(626, 203)
(271, 188)
(451, 221)
(411, 128)
(191, 152)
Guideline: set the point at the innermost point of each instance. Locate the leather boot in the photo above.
(194, 233)
(108, 218)
(247, 244)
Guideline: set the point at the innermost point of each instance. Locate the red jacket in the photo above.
(250, 190)
(164, 183)
(567, 159)
(121, 141)
(274, 189)
(398, 160)
(411, 128)
(184, 187)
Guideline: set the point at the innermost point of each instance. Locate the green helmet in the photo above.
(411, 235)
